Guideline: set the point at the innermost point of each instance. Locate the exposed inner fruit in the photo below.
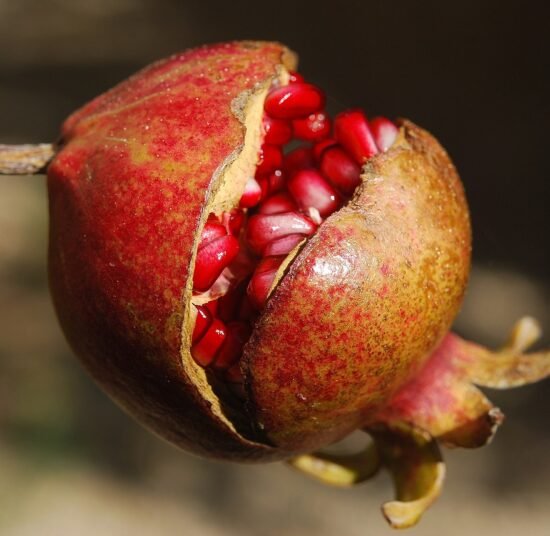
(308, 167)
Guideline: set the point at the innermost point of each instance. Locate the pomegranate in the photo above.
(254, 280)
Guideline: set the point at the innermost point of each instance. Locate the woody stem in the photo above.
(28, 159)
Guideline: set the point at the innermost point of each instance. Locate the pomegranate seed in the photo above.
(314, 127)
(283, 245)
(294, 101)
(210, 232)
(263, 181)
(262, 279)
(251, 195)
(276, 181)
(301, 158)
(352, 131)
(320, 147)
(204, 352)
(263, 228)
(233, 221)
(277, 203)
(277, 131)
(310, 189)
(212, 306)
(240, 268)
(295, 78)
(212, 259)
(271, 183)
(340, 169)
(237, 334)
(203, 320)
(270, 158)
(384, 132)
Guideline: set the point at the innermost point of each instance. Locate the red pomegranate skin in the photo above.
(366, 300)
(360, 309)
(126, 192)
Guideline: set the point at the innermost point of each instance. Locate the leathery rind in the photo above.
(365, 301)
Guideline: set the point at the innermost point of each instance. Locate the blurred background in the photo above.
(474, 73)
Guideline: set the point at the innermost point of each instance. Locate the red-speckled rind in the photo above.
(126, 193)
(365, 301)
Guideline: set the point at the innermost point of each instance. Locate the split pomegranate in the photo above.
(254, 280)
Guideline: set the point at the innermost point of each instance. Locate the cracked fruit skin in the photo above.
(357, 313)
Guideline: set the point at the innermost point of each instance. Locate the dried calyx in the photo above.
(307, 169)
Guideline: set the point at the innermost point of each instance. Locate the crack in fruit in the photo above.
(289, 197)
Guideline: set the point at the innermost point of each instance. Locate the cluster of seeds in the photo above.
(290, 195)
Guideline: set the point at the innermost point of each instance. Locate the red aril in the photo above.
(251, 195)
(351, 130)
(294, 77)
(272, 183)
(283, 245)
(263, 228)
(237, 334)
(310, 189)
(384, 132)
(280, 202)
(269, 159)
(212, 259)
(212, 306)
(202, 322)
(320, 147)
(314, 127)
(212, 229)
(300, 158)
(276, 131)
(262, 280)
(276, 181)
(205, 350)
(294, 101)
(340, 169)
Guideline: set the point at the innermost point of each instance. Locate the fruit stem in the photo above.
(27, 159)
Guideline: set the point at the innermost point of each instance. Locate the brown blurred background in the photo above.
(474, 73)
